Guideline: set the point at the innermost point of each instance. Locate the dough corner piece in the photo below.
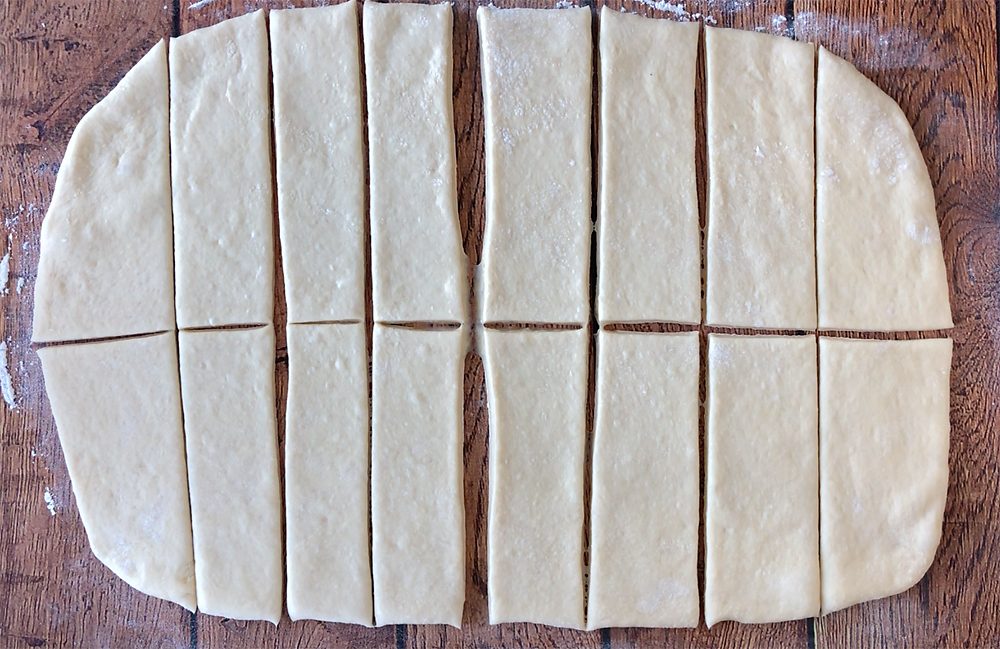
(106, 238)
(118, 412)
(884, 438)
(880, 264)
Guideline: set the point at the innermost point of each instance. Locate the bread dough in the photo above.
(117, 407)
(227, 388)
(644, 509)
(884, 432)
(220, 149)
(879, 259)
(106, 239)
(537, 394)
(326, 474)
(418, 499)
(760, 244)
(320, 161)
(649, 240)
(419, 270)
(761, 501)
(536, 103)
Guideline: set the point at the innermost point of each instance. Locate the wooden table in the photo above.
(939, 62)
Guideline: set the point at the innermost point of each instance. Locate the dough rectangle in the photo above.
(418, 265)
(220, 161)
(644, 508)
(320, 161)
(761, 497)
(418, 503)
(326, 474)
(648, 235)
(537, 396)
(536, 67)
(227, 390)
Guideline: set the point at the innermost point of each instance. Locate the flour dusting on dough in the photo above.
(6, 385)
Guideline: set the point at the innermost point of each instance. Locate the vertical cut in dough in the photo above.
(118, 410)
(761, 499)
(879, 258)
(227, 388)
(320, 161)
(326, 474)
(649, 243)
(106, 239)
(644, 511)
(536, 103)
(537, 391)
(418, 265)
(418, 502)
(220, 152)
(884, 431)
(761, 266)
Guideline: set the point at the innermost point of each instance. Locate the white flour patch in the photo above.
(200, 4)
(6, 385)
(4, 273)
(565, 4)
(50, 502)
(20, 284)
(677, 9)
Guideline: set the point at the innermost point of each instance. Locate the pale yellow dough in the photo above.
(326, 474)
(418, 501)
(760, 246)
(117, 407)
(106, 238)
(419, 270)
(536, 67)
(537, 395)
(644, 511)
(879, 258)
(649, 244)
(884, 432)
(227, 389)
(220, 151)
(320, 161)
(761, 500)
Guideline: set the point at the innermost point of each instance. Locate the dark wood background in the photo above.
(939, 61)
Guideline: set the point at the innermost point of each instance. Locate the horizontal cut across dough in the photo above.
(106, 239)
(761, 499)
(418, 266)
(326, 474)
(884, 431)
(220, 152)
(537, 394)
(227, 388)
(649, 242)
(320, 161)
(536, 103)
(118, 410)
(644, 511)
(879, 260)
(418, 501)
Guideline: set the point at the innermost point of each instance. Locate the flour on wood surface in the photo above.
(5, 273)
(6, 385)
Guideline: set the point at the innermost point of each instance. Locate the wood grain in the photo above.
(938, 62)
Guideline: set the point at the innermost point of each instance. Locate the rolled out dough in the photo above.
(106, 238)
(644, 512)
(118, 410)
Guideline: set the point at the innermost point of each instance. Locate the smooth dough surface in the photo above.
(320, 161)
(220, 152)
(761, 269)
(879, 256)
(648, 233)
(227, 388)
(118, 410)
(761, 500)
(418, 500)
(326, 474)
(536, 103)
(419, 268)
(106, 239)
(537, 394)
(644, 511)
(884, 433)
